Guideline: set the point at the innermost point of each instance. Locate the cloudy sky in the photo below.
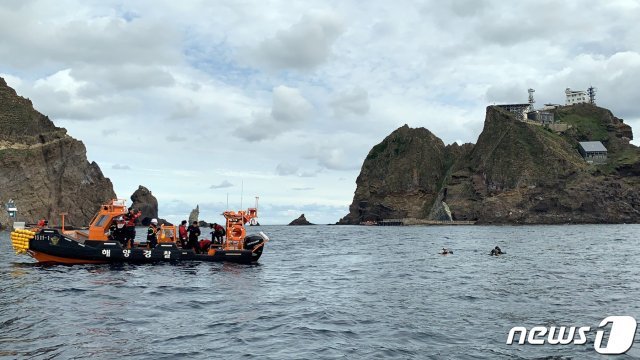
(204, 101)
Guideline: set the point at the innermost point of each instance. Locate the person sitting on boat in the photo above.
(117, 231)
(218, 233)
(130, 225)
(43, 223)
(182, 234)
(152, 234)
(194, 233)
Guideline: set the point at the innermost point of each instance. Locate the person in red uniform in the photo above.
(218, 233)
(130, 225)
(182, 233)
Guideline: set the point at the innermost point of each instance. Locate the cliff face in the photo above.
(43, 169)
(516, 173)
(5, 220)
(400, 177)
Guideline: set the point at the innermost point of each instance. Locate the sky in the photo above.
(213, 103)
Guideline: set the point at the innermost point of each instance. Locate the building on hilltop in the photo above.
(541, 116)
(593, 152)
(519, 110)
(576, 97)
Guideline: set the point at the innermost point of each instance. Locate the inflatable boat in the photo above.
(94, 246)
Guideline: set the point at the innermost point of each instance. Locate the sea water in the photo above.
(327, 292)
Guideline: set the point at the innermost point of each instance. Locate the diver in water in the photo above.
(496, 251)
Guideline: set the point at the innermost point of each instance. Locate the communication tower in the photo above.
(591, 91)
(531, 100)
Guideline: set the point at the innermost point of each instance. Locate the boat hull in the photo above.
(49, 246)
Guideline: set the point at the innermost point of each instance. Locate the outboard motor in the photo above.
(251, 241)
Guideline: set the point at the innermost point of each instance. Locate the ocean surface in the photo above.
(332, 292)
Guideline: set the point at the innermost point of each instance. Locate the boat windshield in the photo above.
(101, 220)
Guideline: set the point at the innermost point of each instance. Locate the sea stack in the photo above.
(143, 200)
(300, 221)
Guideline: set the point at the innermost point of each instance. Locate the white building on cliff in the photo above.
(576, 97)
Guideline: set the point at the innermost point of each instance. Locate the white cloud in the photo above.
(232, 90)
(120, 167)
(304, 45)
(284, 169)
(355, 101)
(289, 109)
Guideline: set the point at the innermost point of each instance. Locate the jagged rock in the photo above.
(195, 213)
(143, 200)
(43, 169)
(515, 173)
(300, 221)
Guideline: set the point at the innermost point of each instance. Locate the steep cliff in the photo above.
(400, 177)
(515, 173)
(43, 169)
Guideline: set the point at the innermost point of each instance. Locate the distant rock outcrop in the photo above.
(43, 169)
(195, 213)
(300, 221)
(515, 173)
(143, 200)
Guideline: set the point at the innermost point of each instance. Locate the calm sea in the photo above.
(332, 292)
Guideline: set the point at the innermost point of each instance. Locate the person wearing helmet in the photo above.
(117, 231)
(152, 233)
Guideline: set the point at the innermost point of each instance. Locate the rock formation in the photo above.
(515, 173)
(195, 213)
(5, 220)
(43, 169)
(143, 200)
(300, 221)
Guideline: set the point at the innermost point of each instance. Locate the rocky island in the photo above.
(518, 172)
(300, 221)
(43, 169)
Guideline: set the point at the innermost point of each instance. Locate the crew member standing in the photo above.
(130, 225)
(117, 231)
(218, 232)
(194, 233)
(182, 233)
(152, 234)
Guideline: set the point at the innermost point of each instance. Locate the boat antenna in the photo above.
(241, 193)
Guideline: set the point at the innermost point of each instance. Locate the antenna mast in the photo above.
(591, 91)
(531, 101)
